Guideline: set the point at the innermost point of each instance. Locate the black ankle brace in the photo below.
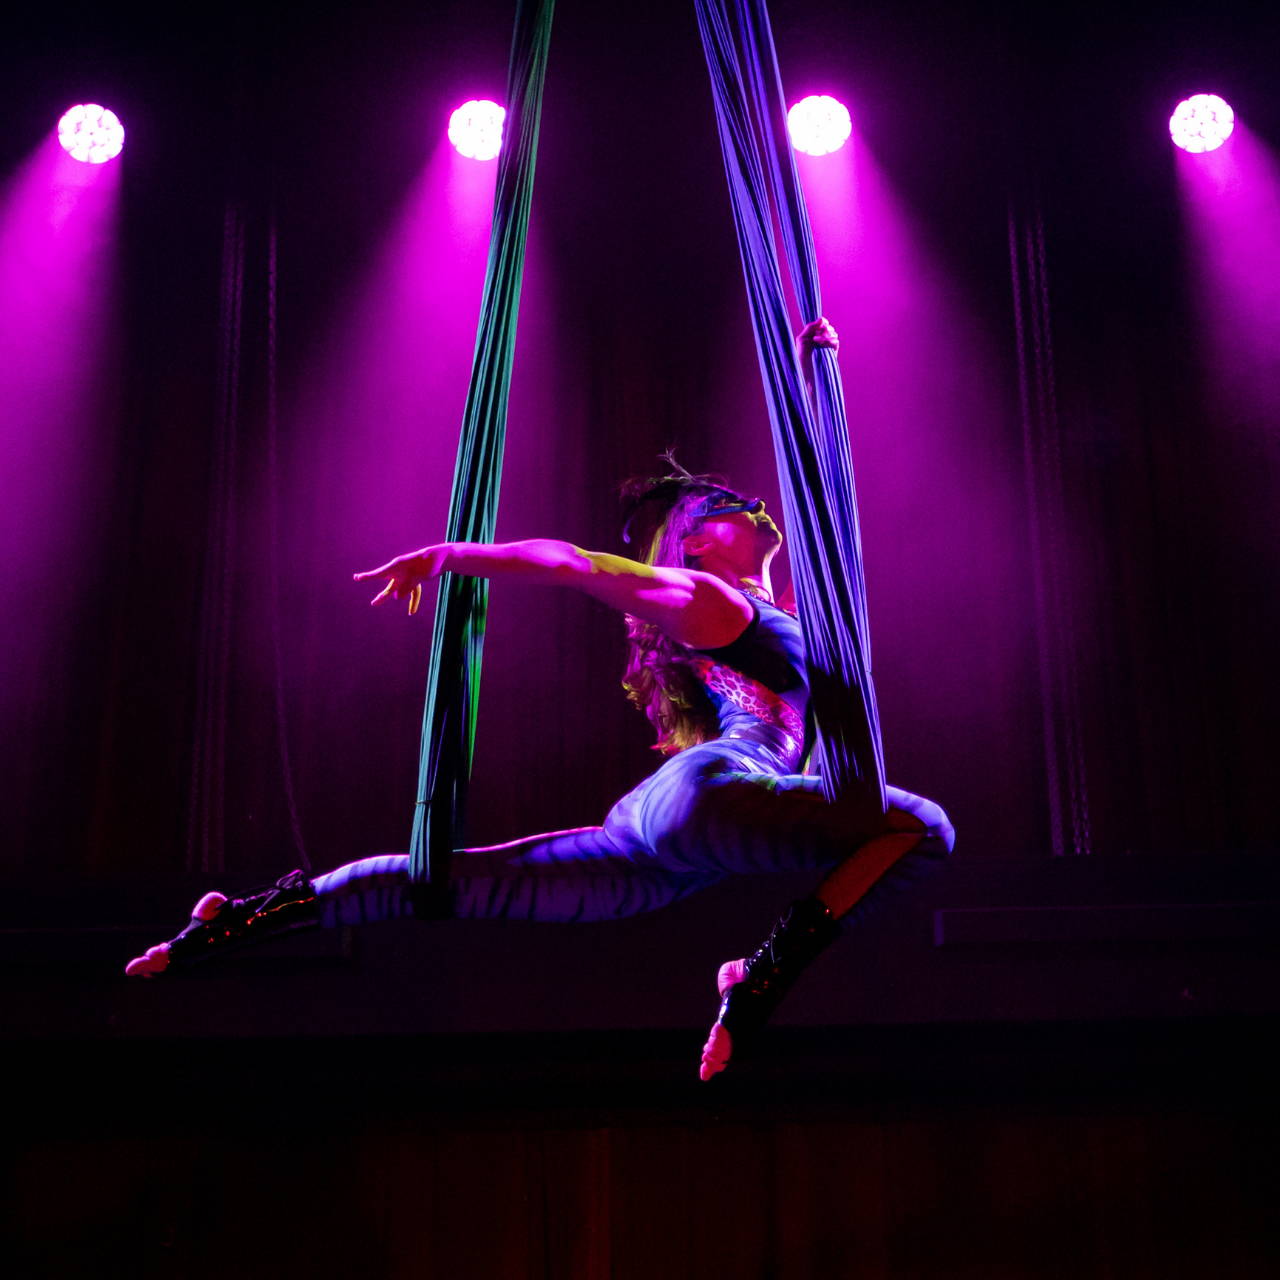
(287, 905)
(801, 933)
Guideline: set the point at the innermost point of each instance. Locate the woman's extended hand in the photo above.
(406, 574)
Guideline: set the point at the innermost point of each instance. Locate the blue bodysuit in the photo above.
(736, 805)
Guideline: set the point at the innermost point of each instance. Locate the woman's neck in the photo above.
(742, 574)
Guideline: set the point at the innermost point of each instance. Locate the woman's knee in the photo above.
(907, 810)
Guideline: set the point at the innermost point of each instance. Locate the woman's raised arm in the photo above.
(692, 607)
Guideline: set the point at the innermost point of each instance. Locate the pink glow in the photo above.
(819, 124)
(382, 399)
(1201, 123)
(1231, 210)
(57, 352)
(475, 129)
(91, 133)
(382, 396)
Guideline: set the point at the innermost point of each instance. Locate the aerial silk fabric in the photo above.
(811, 440)
(453, 679)
(811, 443)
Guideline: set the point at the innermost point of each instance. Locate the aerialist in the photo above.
(718, 667)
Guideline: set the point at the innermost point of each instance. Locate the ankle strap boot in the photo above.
(801, 933)
(266, 913)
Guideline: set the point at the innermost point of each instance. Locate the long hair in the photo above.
(659, 679)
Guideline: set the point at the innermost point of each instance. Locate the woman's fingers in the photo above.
(380, 572)
(819, 333)
(394, 574)
(405, 576)
(401, 589)
(822, 333)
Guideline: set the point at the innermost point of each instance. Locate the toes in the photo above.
(731, 973)
(156, 960)
(715, 1053)
(208, 906)
(719, 1047)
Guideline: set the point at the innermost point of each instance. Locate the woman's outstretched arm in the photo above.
(692, 607)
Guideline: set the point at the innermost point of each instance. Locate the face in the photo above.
(737, 529)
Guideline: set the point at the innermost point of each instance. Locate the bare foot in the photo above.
(155, 959)
(719, 1047)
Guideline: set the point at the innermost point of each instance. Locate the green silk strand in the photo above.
(457, 642)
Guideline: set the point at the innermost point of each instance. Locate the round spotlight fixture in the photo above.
(91, 133)
(818, 125)
(475, 129)
(1202, 122)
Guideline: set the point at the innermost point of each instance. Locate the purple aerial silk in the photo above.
(811, 440)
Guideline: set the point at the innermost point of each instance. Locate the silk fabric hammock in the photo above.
(457, 641)
(811, 442)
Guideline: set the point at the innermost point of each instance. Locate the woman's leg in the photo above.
(588, 873)
(725, 808)
(916, 836)
(219, 923)
(583, 874)
(711, 811)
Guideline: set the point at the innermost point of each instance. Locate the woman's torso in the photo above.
(757, 684)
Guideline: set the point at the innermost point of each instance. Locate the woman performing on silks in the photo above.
(718, 667)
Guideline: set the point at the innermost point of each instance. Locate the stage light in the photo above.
(475, 129)
(1202, 122)
(819, 125)
(91, 133)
